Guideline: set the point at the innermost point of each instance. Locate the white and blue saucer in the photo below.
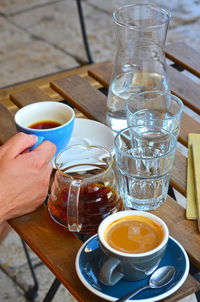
(90, 258)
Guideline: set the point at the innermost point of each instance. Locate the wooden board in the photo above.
(29, 96)
(82, 95)
(185, 56)
(101, 73)
(185, 88)
(179, 173)
(7, 125)
(188, 125)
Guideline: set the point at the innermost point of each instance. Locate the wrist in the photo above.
(3, 209)
(2, 216)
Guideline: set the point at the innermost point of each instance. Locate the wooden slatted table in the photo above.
(82, 88)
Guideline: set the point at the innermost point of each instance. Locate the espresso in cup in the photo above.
(133, 243)
(134, 234)
(53, 121)
(45, 125)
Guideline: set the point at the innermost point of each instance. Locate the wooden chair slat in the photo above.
(185, 56)
(87, 99)
(29, 96)
(7, 124)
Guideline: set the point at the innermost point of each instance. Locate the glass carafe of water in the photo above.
(139, 63)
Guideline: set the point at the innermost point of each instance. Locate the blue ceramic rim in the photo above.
(46, 130)
(153, 299)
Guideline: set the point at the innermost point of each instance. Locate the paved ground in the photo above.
(43, 37)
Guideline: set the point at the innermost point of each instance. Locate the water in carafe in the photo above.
(140, 63)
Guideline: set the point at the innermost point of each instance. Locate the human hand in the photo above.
(24, 175)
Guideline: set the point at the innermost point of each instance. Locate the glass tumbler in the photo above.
(144, 158)
(155, 108)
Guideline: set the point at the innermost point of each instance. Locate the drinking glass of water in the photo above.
(155, 108)
(144, 159)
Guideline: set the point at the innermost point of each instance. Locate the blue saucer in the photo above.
(90, 258)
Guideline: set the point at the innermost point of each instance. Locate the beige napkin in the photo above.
(193, 178)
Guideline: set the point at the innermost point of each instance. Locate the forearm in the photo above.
(3, 208)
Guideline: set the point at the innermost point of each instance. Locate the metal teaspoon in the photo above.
(159, 278)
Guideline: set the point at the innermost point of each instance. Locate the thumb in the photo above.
(18, 144)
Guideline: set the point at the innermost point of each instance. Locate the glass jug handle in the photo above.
(73, 206)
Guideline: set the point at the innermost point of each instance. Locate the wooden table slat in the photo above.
(185, 88)
(179, 173)
(82, 95)
(180, 294)
(188, 125)
(7, 125)
(174, 216)
(185, 56)
(29, 96)
(101, 73)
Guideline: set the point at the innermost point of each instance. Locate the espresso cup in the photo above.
(53, 121)
(133, 243)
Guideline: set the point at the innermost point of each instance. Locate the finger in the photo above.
(39, 141)
(46, 150)
(18, 144)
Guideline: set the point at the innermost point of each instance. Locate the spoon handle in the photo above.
(132, 294)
